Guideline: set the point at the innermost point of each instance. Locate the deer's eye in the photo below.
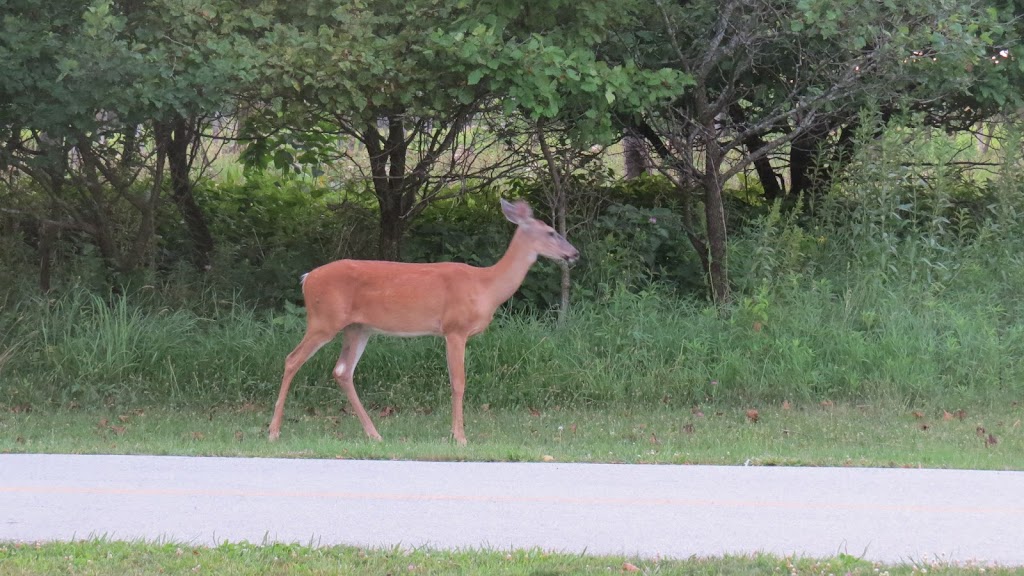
(552, 233)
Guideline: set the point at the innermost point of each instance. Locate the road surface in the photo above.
(890, 515)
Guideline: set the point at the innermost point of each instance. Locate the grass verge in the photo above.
(105, 557)
(831, 435)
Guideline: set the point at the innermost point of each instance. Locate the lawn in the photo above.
(101, 557)
(971, 437)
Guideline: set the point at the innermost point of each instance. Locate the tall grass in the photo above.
(811, 340)
(903, 285)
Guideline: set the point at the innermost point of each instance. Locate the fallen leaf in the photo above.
(21, 408)
(786, 405)
(688, 428)
(534, 412)
(697, 412)
(826, 404)
(239, 436)
(20, 439)
(946, 416)
(485, 407)
(198, 435)
(980, 430)
(124, 418)
(991, 441)
(1016, 424)
(118, 429)
(752, 415)
(104, 423)
(918, 414)
(757, 326)
(547, 458)
(665, 399)
(312, 411)
(960, 414)
(627, 567)
(572, 427)
(654, 439)
(387, 411)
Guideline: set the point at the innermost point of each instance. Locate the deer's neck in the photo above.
(508, 274)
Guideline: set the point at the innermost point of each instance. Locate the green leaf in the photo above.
(475, 76)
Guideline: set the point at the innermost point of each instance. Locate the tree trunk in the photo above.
(714, 213)
(47, 236)
(635, 156)
(177, 137)
(387, 167)
(801, 163)
(766, 175)
(559, 202)
(392, 229)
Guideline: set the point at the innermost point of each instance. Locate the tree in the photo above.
(368, 73)
(406, 79)
(543, 60)
(99, 98)
(772, 75)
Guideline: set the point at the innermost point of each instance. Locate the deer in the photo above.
(452, 300)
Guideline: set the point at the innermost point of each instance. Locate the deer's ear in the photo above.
(518, 212)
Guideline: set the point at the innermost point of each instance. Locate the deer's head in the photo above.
(544, 239)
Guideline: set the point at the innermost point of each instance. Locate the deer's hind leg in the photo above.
(355, 338)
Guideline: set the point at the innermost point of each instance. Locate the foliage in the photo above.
(760, 88)
(87, 88)
(274, 229)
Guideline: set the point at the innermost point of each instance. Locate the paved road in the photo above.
(676, 511)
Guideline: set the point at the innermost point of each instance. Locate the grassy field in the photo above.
(840, 435)
(871, 335)
(100, 557)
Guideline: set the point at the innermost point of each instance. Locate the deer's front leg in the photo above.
(456, 346)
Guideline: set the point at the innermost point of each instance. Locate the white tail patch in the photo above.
(302, 279)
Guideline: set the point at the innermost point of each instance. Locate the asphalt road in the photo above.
(891, 515)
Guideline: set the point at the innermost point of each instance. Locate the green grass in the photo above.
(840, 435)
(806, 343)
(103, 557)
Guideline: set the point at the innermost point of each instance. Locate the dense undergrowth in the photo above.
(895, 287)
